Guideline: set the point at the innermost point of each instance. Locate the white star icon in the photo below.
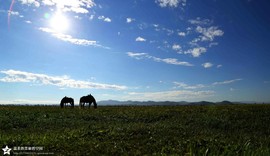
(6, 150)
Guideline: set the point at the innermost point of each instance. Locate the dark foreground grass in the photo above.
(170, 130)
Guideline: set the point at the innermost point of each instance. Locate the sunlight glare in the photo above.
(59, 22)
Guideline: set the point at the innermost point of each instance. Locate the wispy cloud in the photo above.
(137, 55)
(199, 21)
(72, 40)
(172, 61)
(140, 39)
(163, 29)
(207, 65)
(226, 82)
(171, 3)
(186, 86)
(60, 81)
(14, 13)
(200, 86)
(219, 66)
(174, 95)
(29, 101)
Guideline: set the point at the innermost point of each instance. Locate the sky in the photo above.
(158, 50)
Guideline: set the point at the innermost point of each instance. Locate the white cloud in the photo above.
(129, 20)
(185, 86)
(101, 17)
(209, 34)
(140, 39)
(171, 3)
(76, 10)
(182, 34)
(196, 52)
(226, 82)
(176, 47)
(14, 13)
(77, 6)
(78, 17)
(175, 95)
(29, 22)
(91, 17)
(30, 2)
(105, 19)
(49, 2)
(70, 39)
(172, 61)
(207, 65)
(60, 81)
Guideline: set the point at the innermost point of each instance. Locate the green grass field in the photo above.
(126, 130)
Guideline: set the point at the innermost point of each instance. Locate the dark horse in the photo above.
(67, 100)
(88, 99)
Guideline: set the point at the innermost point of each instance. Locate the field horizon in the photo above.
(138, 130)
(145, 103)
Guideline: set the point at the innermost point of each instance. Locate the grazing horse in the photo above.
(67, 100)
(88, 99)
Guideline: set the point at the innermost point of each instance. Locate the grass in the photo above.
(123, 130)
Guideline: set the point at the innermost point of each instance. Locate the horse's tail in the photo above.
(80, 103)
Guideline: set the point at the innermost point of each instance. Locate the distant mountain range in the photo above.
(162, 103)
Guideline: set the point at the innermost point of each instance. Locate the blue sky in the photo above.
(176, 50)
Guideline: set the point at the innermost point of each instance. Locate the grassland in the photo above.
(123, 130)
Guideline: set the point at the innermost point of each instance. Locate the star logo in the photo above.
(6, 150)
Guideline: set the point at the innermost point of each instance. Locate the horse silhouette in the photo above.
(67, 100)
(88, 99)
